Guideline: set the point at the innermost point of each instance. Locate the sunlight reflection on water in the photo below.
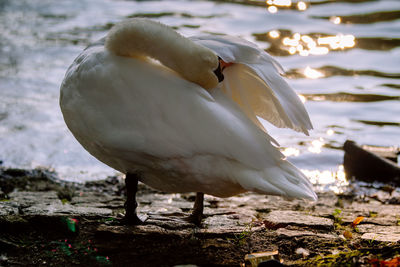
(328, 180)
(274, 5)
(306, 45)
(312, 73)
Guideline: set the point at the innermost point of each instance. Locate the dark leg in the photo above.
(197, 213)
(131, 183)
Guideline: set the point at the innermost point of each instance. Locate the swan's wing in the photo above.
(255, 83)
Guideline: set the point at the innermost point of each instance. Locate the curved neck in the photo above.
(146, 38)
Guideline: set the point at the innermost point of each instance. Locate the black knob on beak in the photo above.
(218, 71)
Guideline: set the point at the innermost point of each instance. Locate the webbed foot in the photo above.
(131, 219)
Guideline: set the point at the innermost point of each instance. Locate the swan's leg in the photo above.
(197, 213)
(131, 183)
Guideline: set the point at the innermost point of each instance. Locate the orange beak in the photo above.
(224, 64)
(221, 66)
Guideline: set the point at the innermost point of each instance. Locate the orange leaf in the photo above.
(357, 221)
(381, 263)
(392, 263)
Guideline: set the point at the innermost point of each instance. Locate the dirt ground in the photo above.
(47, 222)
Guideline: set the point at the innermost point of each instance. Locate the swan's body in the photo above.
(138, 115)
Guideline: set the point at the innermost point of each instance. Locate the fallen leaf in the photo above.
(357, 221)
(381, 263)
(347, 235)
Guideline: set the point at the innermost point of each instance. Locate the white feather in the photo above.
(256, 84)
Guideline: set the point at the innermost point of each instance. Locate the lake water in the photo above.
(343, 57)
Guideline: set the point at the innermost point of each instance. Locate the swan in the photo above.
(180, 114)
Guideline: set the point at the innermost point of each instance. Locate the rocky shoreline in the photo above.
(44, 221)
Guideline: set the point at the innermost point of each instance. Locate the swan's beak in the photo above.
(221, 66)
(224, 64)
(218, 72)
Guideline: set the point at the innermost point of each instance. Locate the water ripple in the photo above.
(367, 18)
(379, 123)
(329, 71)
(349, 97)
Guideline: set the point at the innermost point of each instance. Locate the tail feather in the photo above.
(283, 180)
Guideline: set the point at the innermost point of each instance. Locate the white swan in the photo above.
(152, 104)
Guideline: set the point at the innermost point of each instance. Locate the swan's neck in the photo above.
(145, 38)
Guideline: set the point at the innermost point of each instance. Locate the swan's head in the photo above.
(142, 37)
(201, 67)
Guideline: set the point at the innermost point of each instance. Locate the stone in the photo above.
(278, 219)
(65, 209)
(26, 198)
(97, 200)
(380, 233)
(48, 203)
(365, 228)
(298, 233)
(8, 208)
(382, 237)
(303, 252)
(254, 259)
